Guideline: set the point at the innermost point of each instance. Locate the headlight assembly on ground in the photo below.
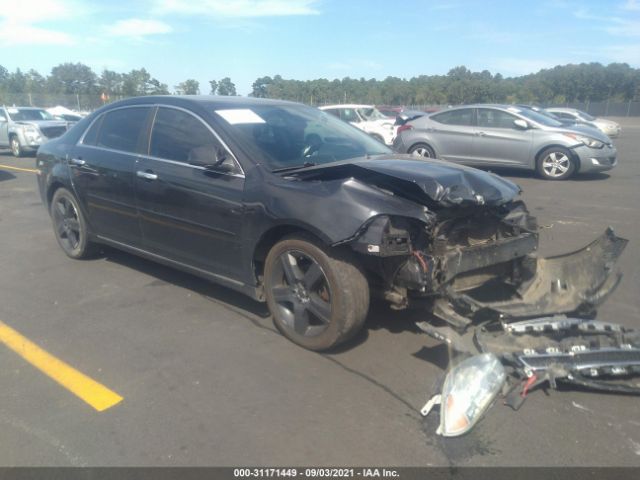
(468, 391)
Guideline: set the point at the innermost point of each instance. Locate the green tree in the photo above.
(188, 87)
(71, 78)
(214, 87)
(226, 87)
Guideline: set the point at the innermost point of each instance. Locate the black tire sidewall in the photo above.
(83, 249)
(564, 151)
(337, 330)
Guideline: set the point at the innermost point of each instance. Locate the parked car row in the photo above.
(488, 135)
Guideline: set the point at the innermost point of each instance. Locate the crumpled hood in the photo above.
(426, 181)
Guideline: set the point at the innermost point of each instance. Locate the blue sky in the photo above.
(304, 39)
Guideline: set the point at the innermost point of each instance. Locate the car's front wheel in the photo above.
(16, 147)
(318, 297)
(70, 226)
(555, 163)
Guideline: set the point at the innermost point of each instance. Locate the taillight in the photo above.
(404, 127)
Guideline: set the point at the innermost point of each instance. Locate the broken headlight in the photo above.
(468, 391)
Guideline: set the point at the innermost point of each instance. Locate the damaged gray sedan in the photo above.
(294, 207)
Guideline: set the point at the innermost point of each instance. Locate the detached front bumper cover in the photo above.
(534, 339)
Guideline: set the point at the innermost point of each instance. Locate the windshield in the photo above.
(26, 114)
(538, 117)
(586, 116)
(291, 135)
(372, 114)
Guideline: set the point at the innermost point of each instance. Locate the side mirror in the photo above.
(520, 124)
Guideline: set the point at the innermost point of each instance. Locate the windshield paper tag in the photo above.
(12, 110)
(240, 115)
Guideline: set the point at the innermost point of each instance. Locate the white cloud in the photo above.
(633, 5)
(138, 28)
(22, 34)
(19, 20)
(238, 8)
(34, 11)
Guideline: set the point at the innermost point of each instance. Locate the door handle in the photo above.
(78, 162)
(148, 175)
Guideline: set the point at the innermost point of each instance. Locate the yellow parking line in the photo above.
(18, 169)
(95, 394)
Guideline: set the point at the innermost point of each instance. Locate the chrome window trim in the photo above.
(166, 160)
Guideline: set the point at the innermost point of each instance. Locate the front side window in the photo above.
(462, 117)
(121, 129)
(490, 118)
(181, 137)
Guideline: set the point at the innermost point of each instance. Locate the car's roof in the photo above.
(23, 108)
(347, 105)
(561, 109)
(483, 105)
(213, 101)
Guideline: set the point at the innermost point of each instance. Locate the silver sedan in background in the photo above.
(507, 136)
(608, 127)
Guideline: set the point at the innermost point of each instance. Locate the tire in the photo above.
(318, 297)
(16, 148)
(70, 226)
(422, 150)
(555, 163)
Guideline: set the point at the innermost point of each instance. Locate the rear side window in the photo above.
(462, 117)
(181, 137)
(91, 137)
(121, 129)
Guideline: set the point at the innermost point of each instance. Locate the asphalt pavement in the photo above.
(206, 380)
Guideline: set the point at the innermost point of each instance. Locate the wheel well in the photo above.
(52, 190)
(574, 157)
(269, 239)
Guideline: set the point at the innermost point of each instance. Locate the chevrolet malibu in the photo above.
(294, 207)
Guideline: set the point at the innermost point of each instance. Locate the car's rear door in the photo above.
(497, 140)
(102, 171)
(451, 133)
(188, 212)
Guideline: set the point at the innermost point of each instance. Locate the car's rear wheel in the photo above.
(422, 150)
(70, 226)
(16, 147)
(319, 297)
(555, 163)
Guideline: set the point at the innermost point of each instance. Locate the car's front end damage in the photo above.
(471, 261)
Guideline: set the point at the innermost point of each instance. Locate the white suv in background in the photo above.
(367, 118)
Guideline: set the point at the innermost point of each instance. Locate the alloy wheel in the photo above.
(67, 224)
(556, 164)
(422, 152)
(15, 147)
(301, 293)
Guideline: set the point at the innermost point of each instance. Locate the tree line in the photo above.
(561, 84)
